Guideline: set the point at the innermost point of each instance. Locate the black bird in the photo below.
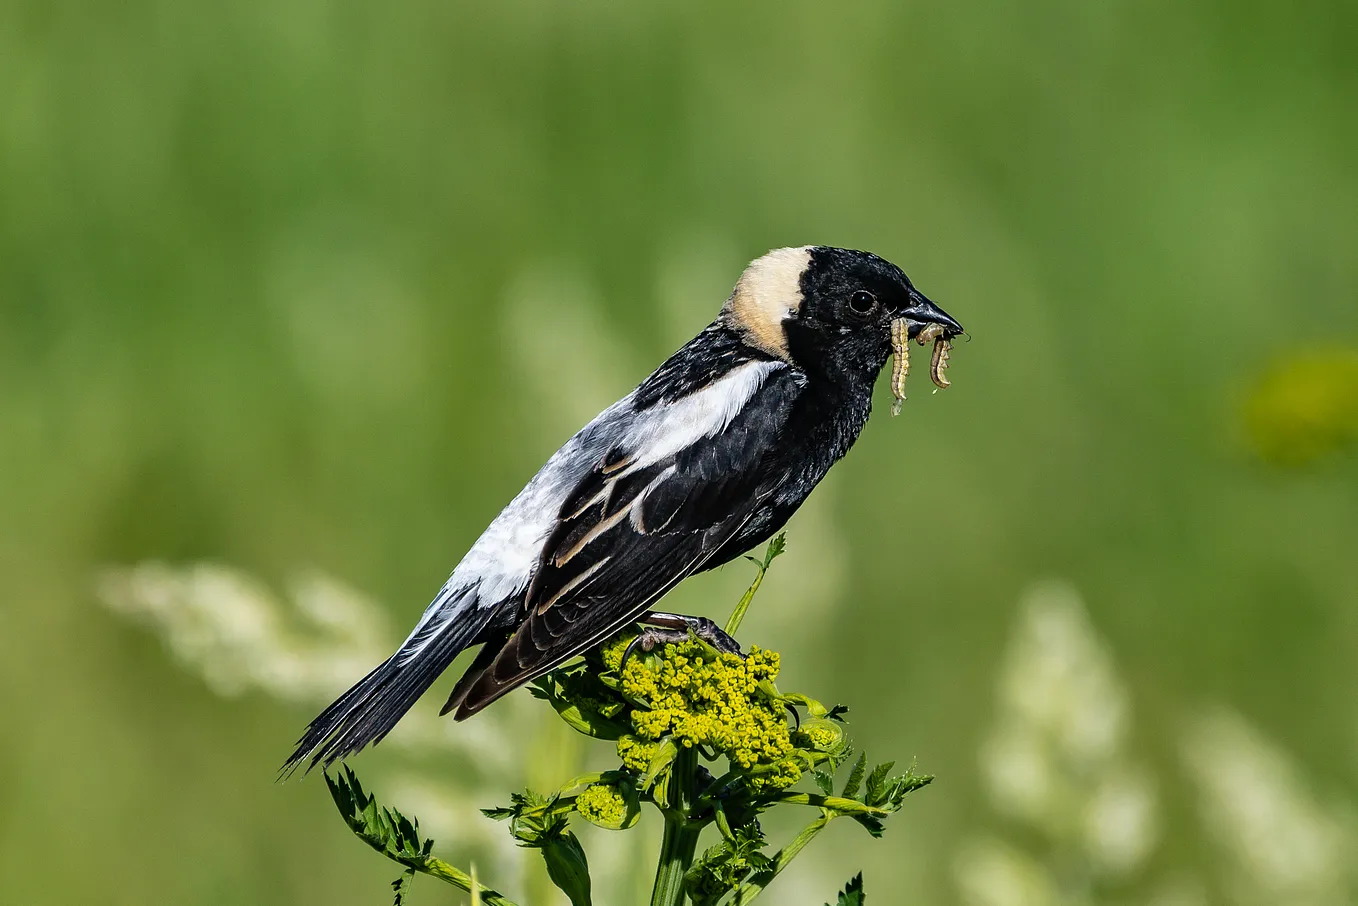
(706, 459)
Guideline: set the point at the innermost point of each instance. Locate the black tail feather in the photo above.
(372, 706)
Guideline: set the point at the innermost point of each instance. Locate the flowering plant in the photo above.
(670, 713)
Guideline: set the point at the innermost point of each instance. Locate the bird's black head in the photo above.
(829, 310)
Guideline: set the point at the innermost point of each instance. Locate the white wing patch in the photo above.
(501, 562)
(665, 430)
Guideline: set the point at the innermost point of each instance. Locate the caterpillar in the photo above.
(900, 364)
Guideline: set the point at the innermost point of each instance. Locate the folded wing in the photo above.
(632, 528)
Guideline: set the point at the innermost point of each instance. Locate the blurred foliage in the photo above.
(301, 284)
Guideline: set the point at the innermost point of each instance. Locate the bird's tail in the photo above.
(373, 705)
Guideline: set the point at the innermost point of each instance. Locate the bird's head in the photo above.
(829, 310)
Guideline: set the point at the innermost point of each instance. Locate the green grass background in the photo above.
(252, 261)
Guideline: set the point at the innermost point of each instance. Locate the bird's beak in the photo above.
(922, 312)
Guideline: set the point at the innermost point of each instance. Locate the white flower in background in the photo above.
(1119, 820)
(307, 648)
(231, 630)
(1056, 757)
(1056, 762)
(1284, 846)
(989, 873)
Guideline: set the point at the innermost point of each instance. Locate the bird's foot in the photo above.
(660, 628)
(701, 627)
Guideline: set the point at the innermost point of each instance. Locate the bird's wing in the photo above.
(663, 463)
(649, 513)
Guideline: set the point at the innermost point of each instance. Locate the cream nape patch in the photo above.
(767, 294)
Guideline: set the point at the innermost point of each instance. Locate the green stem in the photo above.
(437, 868)
(835, 803)
(681, 835)
(761, 567)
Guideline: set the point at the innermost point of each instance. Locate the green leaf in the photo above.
(825, 782)
(855, 777)
(402, 886)
(664, 756)
(586, 705)
(397, 837)
(852, 895)
(723, 867)
(775, 549)
(873, 796)
(568, 868)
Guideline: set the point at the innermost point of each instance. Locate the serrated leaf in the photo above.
(724, 866)
(401, 886)
(873, 794)
(825, 782)
(775, 549)
(855, 777)
(852, 894)
(871, 823)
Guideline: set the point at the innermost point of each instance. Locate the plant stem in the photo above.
(761, 567)
(681, 835)
(437, 868)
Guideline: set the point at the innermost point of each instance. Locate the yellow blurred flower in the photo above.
(1305, 407)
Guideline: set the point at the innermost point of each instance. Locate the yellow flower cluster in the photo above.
(601, 804)
(704, 699)
(635, 754)
(821, 737)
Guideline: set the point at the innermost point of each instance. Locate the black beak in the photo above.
(922, 312)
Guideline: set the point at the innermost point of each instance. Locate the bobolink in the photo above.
(704, 460)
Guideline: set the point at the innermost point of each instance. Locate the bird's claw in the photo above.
(701, 627)
(672, 628)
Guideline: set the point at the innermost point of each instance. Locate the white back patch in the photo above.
(666, 429)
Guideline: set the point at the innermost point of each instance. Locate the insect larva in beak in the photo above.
(900, 362)
(939, 363)
(928, 334)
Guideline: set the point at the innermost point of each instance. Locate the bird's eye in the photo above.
(862, 302)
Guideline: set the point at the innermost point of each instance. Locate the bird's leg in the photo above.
(659, 628)
(701, 627)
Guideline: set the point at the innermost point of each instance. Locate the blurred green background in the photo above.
(301, 284)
